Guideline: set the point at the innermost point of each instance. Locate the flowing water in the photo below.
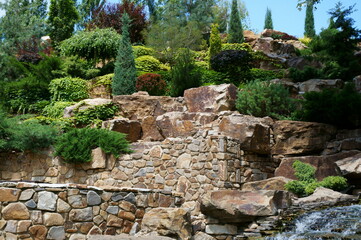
(339, 223)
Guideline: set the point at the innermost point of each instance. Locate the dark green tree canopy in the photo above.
(268, 22)
(309, 21)
(235, 33)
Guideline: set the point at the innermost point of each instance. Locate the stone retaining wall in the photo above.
(69, 211)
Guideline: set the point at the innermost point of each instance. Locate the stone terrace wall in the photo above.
(69, 211)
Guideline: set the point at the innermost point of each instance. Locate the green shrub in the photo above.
(56, 109)
(68, 89)
(139, 51)
(147, 64)
(211, 77)
(297, 187)
(305, 74)
(237, 46)
(261, 99)
(333, 106)
(151, 83)
(60, 124)
(202, 64)
(264, 75)
(336, 183)
(75, 146)
(94, 115)
(38, 106)
(304, 172)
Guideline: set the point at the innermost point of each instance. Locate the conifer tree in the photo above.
(309, 21)
(215, 43)
(268, 23)
(235, 33)
(125, 74)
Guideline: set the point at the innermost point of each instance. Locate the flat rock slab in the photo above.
(275, 183)
(127, 237)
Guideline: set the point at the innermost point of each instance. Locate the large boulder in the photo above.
(275, 183)
(132, 128)
(351, 168)
(317, 85)
(85, 104)
(300, 63)
(215, 98)
(167, 222)
(150, 130)
(182, 124)
(232, 206)
(138, 106)
(325, 165)
(274, 48)
(253, 133)
(300, 138)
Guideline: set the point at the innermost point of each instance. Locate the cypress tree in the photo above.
(309, 21)
(125, 74)
(235, 33)
(215, 43)
(268, 23)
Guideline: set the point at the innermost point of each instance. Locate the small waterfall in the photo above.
(339, 223)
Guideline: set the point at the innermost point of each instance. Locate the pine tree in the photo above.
(235, 33)
(125, 74)
(268, 23)
(62, 18)
(215, 43)
(309, 21)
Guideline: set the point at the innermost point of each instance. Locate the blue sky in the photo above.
(287, 18)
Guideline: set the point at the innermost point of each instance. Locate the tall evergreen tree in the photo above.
(63, 15)
(215, 43)
(268, 23)
(235, 32)
(125, 73)
(309, 21)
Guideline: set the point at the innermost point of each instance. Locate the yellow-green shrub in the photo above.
(147, 64)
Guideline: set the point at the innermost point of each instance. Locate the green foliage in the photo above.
(261, 99)
(152, 83)
(183, 73)
(215, 43)
(237, 46)
(147, 63)
(268, 23)
(211, 77)
(306, 74)
(56, 109)
(139, 51)
(336, 183)
(125, 72)
(94, 115)
(309, 21)
(333, 106)
(235, 33)
(98, 44)
(265, 75)
(68, 89)
(60, 124)
(304, 172)
(297, 187)
(75, 146)
(62, 18)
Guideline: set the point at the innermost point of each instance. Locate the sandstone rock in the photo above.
(150, 129)
(272, 32)
(293, 137)
(184, 161)
(93, 198)
(56, 233)
(203, 236)
(47, 201)
(168, 221)
(114, 221)
(182, 124)
(217, 229)
(81, 215)
(85, 104)
(317, 85)
(38, 232)
(53, 219)
(324, 196)
(99, 160)
(232, 206)
(351, 168)
(250, 36)
(215, 98)
(136, 107)
(9, 194)
(325, 165)
(275, 48)
(62, 206)
(78, 237)
(275, 183)
(23, 226)
(11, 226)
(253, 133)
(15, 211)
(26, 194)
(132, 128)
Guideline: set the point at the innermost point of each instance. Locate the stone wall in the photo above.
(69, 211)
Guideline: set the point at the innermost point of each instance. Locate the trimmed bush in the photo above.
(147, 64)
(56, 109)
(94, 115)
(139, 51)
(75, 146)
(68, 89)
(261, 99)
(152, 83)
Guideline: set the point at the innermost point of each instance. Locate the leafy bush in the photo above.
(262, 99)
(297, 187)
(237, 46)
(147, 64)
(94, 115)
(74, 66)
(60, 124)
(336, 183)
(56, 109)
(306, 74)
(264, 75)
(236, 63)
(75, 146)
(139, 51)
(68, 89)
(152, 83)
(333, 106)
(304, 172)
(211, 77)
